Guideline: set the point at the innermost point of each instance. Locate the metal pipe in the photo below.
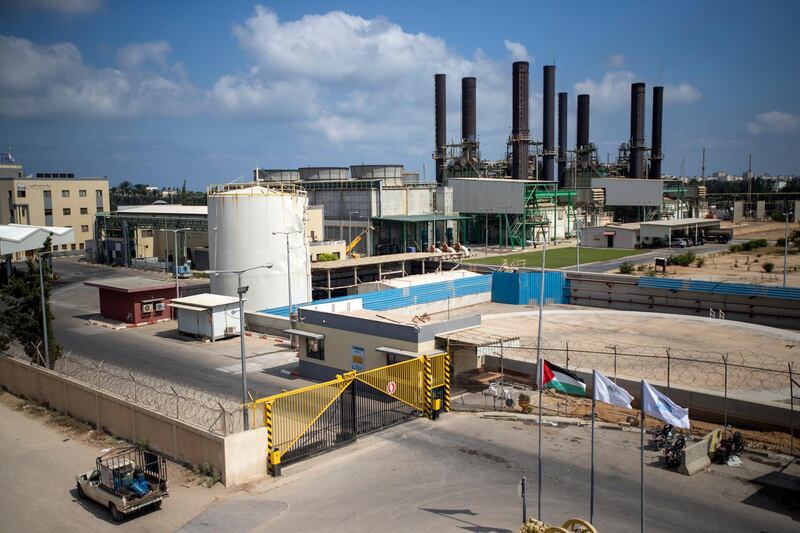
(655, 150)
(519, 121)
(44, 314)
(582, 130)
(468, 110)
(562, 140)
(245, 413)
(539, 378)
(440, 105)
(636, 157)
(548, 118)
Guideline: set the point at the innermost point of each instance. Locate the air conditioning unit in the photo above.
(230, 330)
(160, 306)
(147, 308)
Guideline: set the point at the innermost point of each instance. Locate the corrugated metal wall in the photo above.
(740, 289)
(522, 288)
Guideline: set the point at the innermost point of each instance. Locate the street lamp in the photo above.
(578, 244)
(785, 243)
(350, 227)
(44, 311)
(241, 291)
(288, 268)
(175, 257)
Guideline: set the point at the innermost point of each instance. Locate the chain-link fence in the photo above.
(218, 414)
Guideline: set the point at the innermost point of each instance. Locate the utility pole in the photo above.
(749, 182)
(703, 168)
(288, 269)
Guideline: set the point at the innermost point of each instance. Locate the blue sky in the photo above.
(159, 92)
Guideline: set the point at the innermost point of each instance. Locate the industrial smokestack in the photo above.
(440, 103)
(468, 112)
(655, 150)
(519, 121)
(548, 119)
(562, 139)
(636, 167)
(582, 139)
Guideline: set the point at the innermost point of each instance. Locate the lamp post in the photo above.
(288, 269)
(175, 257)
(241, 291)
(44, 311)
(785, 243)
(350, 226)
(578, 244)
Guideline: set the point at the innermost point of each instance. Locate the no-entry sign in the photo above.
(391, 387)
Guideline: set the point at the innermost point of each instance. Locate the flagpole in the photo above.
(641, 445)
(539, 380)
(591, 496)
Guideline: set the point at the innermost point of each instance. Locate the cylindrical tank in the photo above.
(240, 226)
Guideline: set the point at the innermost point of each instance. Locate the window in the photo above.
(64, 193)
(72, 246)
(47, 194)
(48, 212)
(82, 193)
(98, 193)
(63, 246)
(316, 349)
(99, 208)
(84, 210)
(80, 246)
(55, 248)
(20, 192)
(67, 211)
(85, 228)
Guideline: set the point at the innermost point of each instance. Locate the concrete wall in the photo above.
(624, 293)
(592, 237)
(702, 405)
(238, 458)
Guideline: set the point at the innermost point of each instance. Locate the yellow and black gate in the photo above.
(314, 419)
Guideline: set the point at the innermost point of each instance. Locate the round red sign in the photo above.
(391, 387)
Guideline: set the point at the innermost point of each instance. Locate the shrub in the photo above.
(700, 261)
(768, 267)
(641, 268)
(735, 248)
(626, 267)
(780, 242)
(682, 260)
(650, 273)
(321, 258)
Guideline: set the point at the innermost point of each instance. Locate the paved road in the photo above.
(38, 465)
(156, 349)
(461, 473)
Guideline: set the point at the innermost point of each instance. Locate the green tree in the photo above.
(21, 314)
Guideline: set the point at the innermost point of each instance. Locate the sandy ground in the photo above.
(759, 230)
(40, 454)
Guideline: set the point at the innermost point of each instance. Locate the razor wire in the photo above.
(218, 414)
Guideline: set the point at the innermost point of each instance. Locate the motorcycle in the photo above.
(672, 453)
(663, 437)
(733, 445)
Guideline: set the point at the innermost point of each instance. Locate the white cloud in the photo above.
(683, 93)
(138, 54)
(519, 52)
(75, 7)
(250, 95)
(616, 61)
(773, 123)
(52, 80)
(614, 91)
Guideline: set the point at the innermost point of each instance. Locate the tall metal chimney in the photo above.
(440, 103)
(562, 139)
(519, 121)
(636, 167)
(548, 119)
(468, 112)
(655, 150)
(582, 139)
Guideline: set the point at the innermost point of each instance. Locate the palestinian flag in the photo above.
(561, 379)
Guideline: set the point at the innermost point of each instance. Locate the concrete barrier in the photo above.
(696, 457)
(239, 458)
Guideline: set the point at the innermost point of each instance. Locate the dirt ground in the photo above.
(743, 267)
(759, 230)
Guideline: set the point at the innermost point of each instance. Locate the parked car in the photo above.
(124, 481)
(679, 243)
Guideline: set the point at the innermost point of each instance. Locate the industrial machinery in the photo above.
(124, 481)
(350, 247)
(573, 525)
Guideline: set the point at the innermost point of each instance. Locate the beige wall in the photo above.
(339, 347)
(314, 220)
(330, 247)
(30, 209)
(239, 458)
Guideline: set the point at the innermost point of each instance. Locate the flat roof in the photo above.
(130, 284)
(681, 222)
(204, 301)
(419, 218)
(380, 259)
(162, 209)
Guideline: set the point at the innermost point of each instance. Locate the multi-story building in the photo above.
(51, 199)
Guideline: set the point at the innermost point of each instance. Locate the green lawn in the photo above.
(558, 257)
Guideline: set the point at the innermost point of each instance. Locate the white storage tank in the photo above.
(241, 219)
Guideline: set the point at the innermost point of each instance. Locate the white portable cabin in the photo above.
(209, 316)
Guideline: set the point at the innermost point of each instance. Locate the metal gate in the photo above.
(318, 418)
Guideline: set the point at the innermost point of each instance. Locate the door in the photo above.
(610, 242)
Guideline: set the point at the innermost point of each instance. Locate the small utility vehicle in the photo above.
(124, 481)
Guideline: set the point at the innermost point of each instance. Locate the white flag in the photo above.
(607, 391)
(657, 405)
